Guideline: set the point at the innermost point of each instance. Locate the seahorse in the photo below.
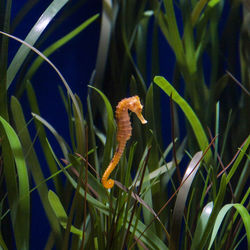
(124, 132)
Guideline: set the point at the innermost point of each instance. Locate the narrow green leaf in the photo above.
(32, 37)
(181, 200)
(25, 8)
(174, 38)
(2, 243)
(5, 14)
(58, 137)
(56, 70)
(198, 10)
(32, 160)
(59, 43)
(149, 238)
(89, 198)
(141, 43)
(239, 158)
(57, 206)
(189, 113)
(105, 35)
(242, 181)
(42, 136)
(110, 128)
(21, 221)
(79, 133)
(60, 213)
(217, 206)
(201, 225)
(92, 138)
(244, 215)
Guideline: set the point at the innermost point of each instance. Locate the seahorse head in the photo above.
(136, 107)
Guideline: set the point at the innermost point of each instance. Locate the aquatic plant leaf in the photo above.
(141, 43)
(244, 215)
(189, 113)
(239, 158)
(21, 219)
(5, 15)
(128, 31)
(59, 43)
(110, 128)
(199, 7)
(79, 135)
(32, 160)
(60, 213)
(26, 7)
(42, 135)
(217, 206)
(32, 37)
(92, 131)
(201, 225)
(181, 200)
(89, 198)
(75, 103)
(174, 37)
(58, 137)
(148, 238)
(103, 46)
(2, 243)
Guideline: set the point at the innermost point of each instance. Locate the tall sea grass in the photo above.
(186, 190)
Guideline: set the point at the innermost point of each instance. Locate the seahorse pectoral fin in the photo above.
(140, 116)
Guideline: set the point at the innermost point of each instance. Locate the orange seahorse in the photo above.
(124, 132)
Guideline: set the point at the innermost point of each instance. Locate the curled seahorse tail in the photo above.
(109, 183)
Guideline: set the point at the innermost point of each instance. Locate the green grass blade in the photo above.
(152, 125)
(217, 206)
(189, 113)
(149, 238)
(239, 158)
(201, 225)
(110, 128)
(92, 138)
(32, 160)
(22, 219)
(89, 198)
(141, 43)
(32, 37)
(244, 215)
(174, 36)
(59, 43)
(5, 13)
(103, 46)
(2, 243)
(58, 137)
(181, 200)
(42, 137)
(56, 70)
(79, 135)
(60, 213)
(244, 178)
(26, 7)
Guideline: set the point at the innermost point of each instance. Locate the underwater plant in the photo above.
(182, 179)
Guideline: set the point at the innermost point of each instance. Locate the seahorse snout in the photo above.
(140, 116)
